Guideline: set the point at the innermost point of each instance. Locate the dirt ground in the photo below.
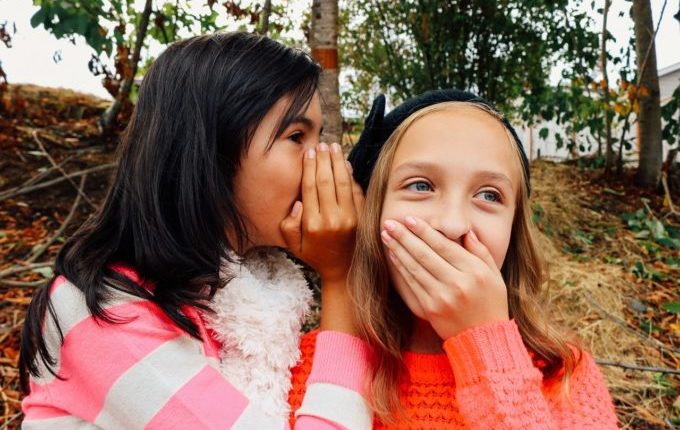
(613, 249)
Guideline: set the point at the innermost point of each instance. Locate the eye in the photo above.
(419, 186)
(296, 137)
(489, 196)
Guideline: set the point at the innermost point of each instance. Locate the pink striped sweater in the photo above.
(147, 373)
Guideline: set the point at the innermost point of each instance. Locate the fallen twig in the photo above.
(42, 248)
(46, 172)
(30, 284)
(625, 324)
(664, 182)
(16, 192)
(80, 190)
(11, 329)
(9, 421)
(603, 362)
(24, 268)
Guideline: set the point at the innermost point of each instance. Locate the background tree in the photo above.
(118, 32)
(609, 150)
(501, 50)
(649, 117)
(324, 44)
(109, 116)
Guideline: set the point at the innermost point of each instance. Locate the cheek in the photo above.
(495, 235)
(281, 174)
(399, 209)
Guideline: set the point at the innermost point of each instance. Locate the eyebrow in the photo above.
(491, 175)
(417, 165)
(302, 120)
(425, 165)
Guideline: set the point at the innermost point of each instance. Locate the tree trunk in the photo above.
(324, 44)
(649, 117)
(108, 118)
(609, 150)
(266, 12)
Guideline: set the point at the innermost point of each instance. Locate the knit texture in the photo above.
(487, 380)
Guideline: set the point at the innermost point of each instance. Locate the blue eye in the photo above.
(419, 186)
(490, 196)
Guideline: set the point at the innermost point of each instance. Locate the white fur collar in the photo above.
(258, 318)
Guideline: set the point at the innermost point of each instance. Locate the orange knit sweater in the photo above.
(486, 380)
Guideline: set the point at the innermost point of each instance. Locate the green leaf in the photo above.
(543, 133)
(669, 242)
(39, 17)
(672, 307)
(656, 228)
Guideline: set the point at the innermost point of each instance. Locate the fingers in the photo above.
(422, 264)
(310, 198)
(343, 180)
(291, 228)
(325, 182)
(477, 248)
(414, 288)
(453, 253)
(404, 241)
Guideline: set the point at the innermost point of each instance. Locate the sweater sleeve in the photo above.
(498, 387)
(144, 372)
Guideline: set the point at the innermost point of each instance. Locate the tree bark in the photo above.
(609, 150)
(649, 117)
(108, 118)
(324, 44)
(266, 12)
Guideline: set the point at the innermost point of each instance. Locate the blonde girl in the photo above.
(447, 279)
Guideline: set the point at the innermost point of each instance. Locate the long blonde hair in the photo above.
(387, 323)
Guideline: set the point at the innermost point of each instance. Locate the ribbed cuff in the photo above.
(340, 359)
(495, 347)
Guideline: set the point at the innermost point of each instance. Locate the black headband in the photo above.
(379, 127)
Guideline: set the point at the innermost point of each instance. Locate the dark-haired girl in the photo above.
(221, 157)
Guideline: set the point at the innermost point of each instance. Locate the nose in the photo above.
(314, 141)
(452, 219)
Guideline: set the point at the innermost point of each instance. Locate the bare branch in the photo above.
(24, 190)
(56, 166)
(42, 248)
(603, 362)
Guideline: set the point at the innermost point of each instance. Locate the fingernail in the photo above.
(335, 147)
(410, 221)
(385, 236)
(311, 153)
(473, 236)
(390, 225)
(296, 208)
(349, 166)
(323, 147)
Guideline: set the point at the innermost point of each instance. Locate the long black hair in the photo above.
(171, 203)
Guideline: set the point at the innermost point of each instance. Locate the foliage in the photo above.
(109, 28)
(410, 47)
(670, 113)
(648, 227)
(6, 39)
